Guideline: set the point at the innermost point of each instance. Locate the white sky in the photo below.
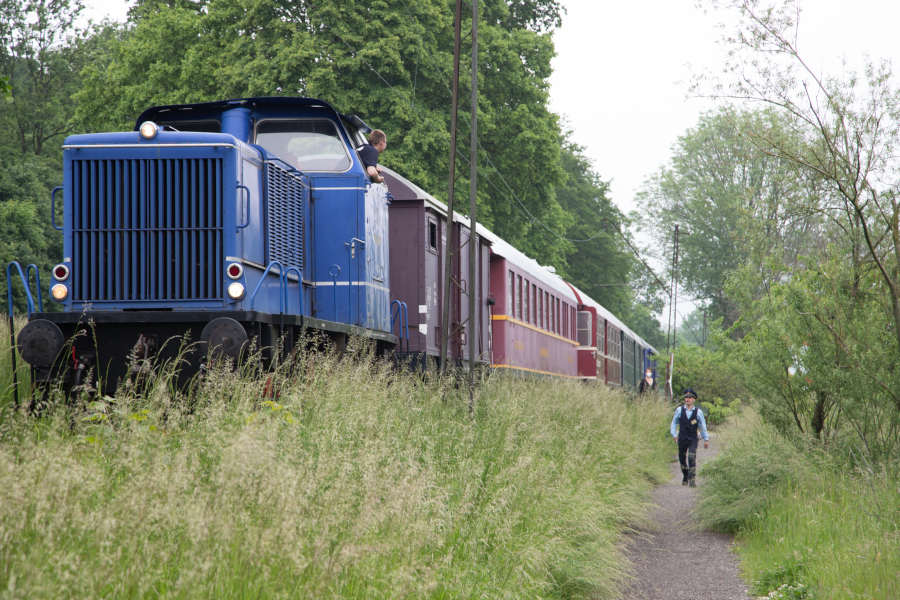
(622, 70)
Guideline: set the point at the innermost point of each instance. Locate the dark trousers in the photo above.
(687, 456)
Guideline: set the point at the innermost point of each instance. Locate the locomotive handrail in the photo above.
(37, 284)
(9, 299)
(9, 306)
(53, 208)
(284, 274)
(245, 205)
(268, 268)
(333, 271)
(403, 316)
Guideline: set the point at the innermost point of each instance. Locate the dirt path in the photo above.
(672, 559)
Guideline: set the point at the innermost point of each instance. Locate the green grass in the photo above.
(6, 371)
(355, 482)
(808, 526)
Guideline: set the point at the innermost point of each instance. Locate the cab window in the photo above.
(307, 144)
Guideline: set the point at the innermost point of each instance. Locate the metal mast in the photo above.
(448, 257)
(474, 282)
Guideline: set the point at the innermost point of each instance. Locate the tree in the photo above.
(388, 63)
(734, 202)
(851, 128)
(40, 68)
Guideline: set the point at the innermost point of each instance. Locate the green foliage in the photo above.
(353, 481)
(26, 234)
(39, 60)
(718, 411)
(820, 358)
(732, 200)
(713, 371)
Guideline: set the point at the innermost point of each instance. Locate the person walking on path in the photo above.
(685, 423)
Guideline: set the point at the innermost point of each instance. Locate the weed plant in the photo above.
(808, 525)
(333, 477)
(6, 372)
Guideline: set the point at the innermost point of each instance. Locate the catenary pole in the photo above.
(474, 282)
(446, 295)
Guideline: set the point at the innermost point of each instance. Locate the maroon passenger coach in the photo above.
(530, 319)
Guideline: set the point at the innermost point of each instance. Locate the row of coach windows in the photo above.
(528, 303)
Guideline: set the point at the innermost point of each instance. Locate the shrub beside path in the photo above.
(672, 558)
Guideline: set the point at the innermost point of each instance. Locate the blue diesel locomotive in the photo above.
(228, 221)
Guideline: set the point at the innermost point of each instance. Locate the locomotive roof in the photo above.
(155, 112)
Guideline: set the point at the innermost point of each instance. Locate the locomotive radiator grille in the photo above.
(287, 195)
(147, 230)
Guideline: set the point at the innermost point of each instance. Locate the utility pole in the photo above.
(446, 295)
(474, 282)
(673, 318)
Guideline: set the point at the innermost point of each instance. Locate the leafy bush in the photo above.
(718, 411)
(713, 373)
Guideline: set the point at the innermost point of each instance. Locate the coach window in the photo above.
(539, 306)
(552, 315)
(307, 144)
(511, 295)
(534, 304)
(432, 235)
(555, 314)
(527, 313)
(519, 297)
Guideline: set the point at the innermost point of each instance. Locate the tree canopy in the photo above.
(387, 62)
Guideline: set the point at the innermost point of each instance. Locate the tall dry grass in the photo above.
(809, 524)
(354, 481)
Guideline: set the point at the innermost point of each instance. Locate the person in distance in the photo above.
(648, 384)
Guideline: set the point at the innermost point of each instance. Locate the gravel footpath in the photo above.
(672, 558)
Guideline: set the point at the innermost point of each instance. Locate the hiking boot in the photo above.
(684, 482)
(692, 483)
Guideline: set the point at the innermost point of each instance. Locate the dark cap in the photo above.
(689, 393)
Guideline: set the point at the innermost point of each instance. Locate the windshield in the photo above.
(307, 144)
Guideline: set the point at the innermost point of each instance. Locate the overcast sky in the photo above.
(621, 74)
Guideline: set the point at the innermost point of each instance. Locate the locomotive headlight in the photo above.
(60, 272)
(236, 290)
(148, 130)
(59, 292)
